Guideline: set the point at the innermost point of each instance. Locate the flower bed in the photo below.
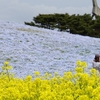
(77, 85)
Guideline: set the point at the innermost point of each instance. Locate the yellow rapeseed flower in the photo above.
(28, 78)
(78, 85)
(6, 63)
(83, 97)
(93, 71)
(79, 69)
(36, 73)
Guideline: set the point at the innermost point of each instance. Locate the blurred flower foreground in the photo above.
(82, 84)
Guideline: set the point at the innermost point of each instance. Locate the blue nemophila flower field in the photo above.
(29, 49)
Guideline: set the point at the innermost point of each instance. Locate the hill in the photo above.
(29, 49)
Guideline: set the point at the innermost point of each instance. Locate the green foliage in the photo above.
(31, 23)
(77, 24)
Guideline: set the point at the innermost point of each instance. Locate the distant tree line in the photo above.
(75, 24)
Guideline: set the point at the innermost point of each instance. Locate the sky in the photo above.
(21, 11)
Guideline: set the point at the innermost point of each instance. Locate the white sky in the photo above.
(24, 10)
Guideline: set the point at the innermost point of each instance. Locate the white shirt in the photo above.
(96, 65)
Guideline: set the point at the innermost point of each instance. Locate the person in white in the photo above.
(96, 62)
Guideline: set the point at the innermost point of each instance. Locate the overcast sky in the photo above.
(24, 10)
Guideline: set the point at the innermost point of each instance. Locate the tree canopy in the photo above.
(75, 24)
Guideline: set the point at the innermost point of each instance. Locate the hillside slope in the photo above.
(29, 49)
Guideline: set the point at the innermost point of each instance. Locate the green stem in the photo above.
(8, 75)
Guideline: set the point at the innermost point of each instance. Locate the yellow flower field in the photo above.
(77, 85)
